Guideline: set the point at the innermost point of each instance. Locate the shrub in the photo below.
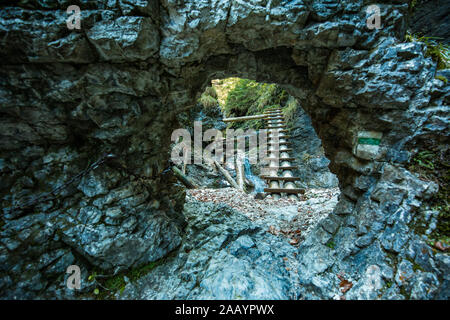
(250, 98)
(209, 98)
(208, 101)
(210, 91)
(437, 51)
(290, 109)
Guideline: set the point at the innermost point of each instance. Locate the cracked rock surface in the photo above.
(224, 256)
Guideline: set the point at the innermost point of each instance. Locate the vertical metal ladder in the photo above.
(279, 159)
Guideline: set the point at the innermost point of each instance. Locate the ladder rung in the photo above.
(283, 190)
(279, 159)
(280, 137)
(279, 131)
(288, 168)
(280, 178)
(279, 143)
(277, 127)
(280, 150)
(281, 168)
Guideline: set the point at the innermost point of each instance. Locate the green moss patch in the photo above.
(107, 287)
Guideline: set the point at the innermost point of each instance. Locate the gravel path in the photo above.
(291, 219)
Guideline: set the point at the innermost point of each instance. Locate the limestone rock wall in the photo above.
(428, 21)
(110, 92)
(310, 159)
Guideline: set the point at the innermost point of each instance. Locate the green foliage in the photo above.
(290, 109)
(437, 51)
(210, 91)
(92, 277)
(111, 285)
(208, 101)
(425, 159)
(331, 245)
(242, 98)
(223, 87)
(143, 270)
(209, 98)
(442, 78)
(412, 5)
(250, 98)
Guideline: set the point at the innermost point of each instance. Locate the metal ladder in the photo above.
(283, 184)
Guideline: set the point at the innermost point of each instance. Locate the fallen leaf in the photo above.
(440, 246)
(345, 285)
(272, 230)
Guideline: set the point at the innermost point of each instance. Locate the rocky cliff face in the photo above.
(307, 147)
(87, 117)
(224, 256)
(431, 18)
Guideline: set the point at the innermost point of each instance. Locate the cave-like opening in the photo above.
(289, 215)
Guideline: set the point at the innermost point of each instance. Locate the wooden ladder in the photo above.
(279, 159)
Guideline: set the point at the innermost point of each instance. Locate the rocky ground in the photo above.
(292, 219)
(236, 247)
